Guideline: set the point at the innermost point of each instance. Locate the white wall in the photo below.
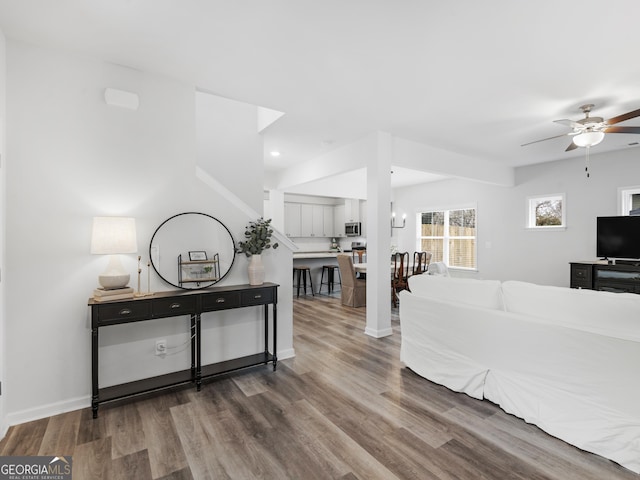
(228, 144)
(421, 157)
(72, 157)
(506, 250)
(340, 160)
(3, 189)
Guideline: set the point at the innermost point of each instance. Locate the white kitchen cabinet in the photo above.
(313, 221)
(309, 220)
(317, 221)
(327, 221)
(292, 219)
(338, 221)
(352, 210)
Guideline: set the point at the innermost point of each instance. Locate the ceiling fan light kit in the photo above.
(590, 131)
(588, 138)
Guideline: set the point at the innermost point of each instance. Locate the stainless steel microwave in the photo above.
(352, 229)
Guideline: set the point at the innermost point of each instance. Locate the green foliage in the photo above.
(549, 213)
(257, 238)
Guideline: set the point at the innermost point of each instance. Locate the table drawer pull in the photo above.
(220, 300)
(125, 311)
(257, 296)
(175, 305)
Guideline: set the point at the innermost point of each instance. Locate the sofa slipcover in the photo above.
(544, 354)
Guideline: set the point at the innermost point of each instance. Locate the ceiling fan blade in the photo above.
(623, 117)
(569, 123)
(571, 146)
(545, 139)
(635, 130)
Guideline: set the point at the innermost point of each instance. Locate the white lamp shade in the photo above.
(114, 235)
(588, 139)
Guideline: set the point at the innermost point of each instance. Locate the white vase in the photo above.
(256, 270)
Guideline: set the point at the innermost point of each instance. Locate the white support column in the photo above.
(379, 237)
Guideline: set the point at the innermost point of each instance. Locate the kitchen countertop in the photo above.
(316, 254)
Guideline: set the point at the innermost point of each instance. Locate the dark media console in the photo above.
(633, 263)
(621, 276)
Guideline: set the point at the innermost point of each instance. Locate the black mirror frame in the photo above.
(209, 284)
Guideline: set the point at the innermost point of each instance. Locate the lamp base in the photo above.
(110, 282)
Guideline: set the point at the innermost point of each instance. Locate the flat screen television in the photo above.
(618, 237)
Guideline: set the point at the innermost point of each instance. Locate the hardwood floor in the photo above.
(343, 408)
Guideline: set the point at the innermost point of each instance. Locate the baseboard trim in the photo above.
(49, 410)
(4, 428)
(288, 353)
(378, 333)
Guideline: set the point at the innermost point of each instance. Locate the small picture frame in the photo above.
(197, 256)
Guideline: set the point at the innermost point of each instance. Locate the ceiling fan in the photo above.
(590, 131)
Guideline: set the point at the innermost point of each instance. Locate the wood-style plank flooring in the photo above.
(343, 408)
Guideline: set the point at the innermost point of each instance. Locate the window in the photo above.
(450, 235)
(630, 201)
(546, 211)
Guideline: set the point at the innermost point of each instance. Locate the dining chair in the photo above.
(399, 280)
(353, 290)
(421, 261)
(358, 253)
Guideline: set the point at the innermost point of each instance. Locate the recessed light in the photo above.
(275, 154)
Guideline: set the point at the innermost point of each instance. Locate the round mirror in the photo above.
(192, 250)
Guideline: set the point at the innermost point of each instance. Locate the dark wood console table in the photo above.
(600, 275)
(173, 304)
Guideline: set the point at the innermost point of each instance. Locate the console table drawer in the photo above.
(220, 301)
(169, 307)
(122, 312)
(259, 296)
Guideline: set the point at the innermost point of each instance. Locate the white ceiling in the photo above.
(353, 184)
(476, 78)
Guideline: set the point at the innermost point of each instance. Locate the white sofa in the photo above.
(566, 360)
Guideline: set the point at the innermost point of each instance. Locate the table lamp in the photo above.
(114, 236)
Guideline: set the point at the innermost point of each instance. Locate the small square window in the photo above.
(546, 211)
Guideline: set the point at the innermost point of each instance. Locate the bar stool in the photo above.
(330, 278)
(301, 271)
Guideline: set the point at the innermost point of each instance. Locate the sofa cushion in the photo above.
(438, 268)
(612, 314)
(479, 293)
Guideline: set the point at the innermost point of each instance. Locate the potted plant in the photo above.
(257, 239)
(207, 270)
